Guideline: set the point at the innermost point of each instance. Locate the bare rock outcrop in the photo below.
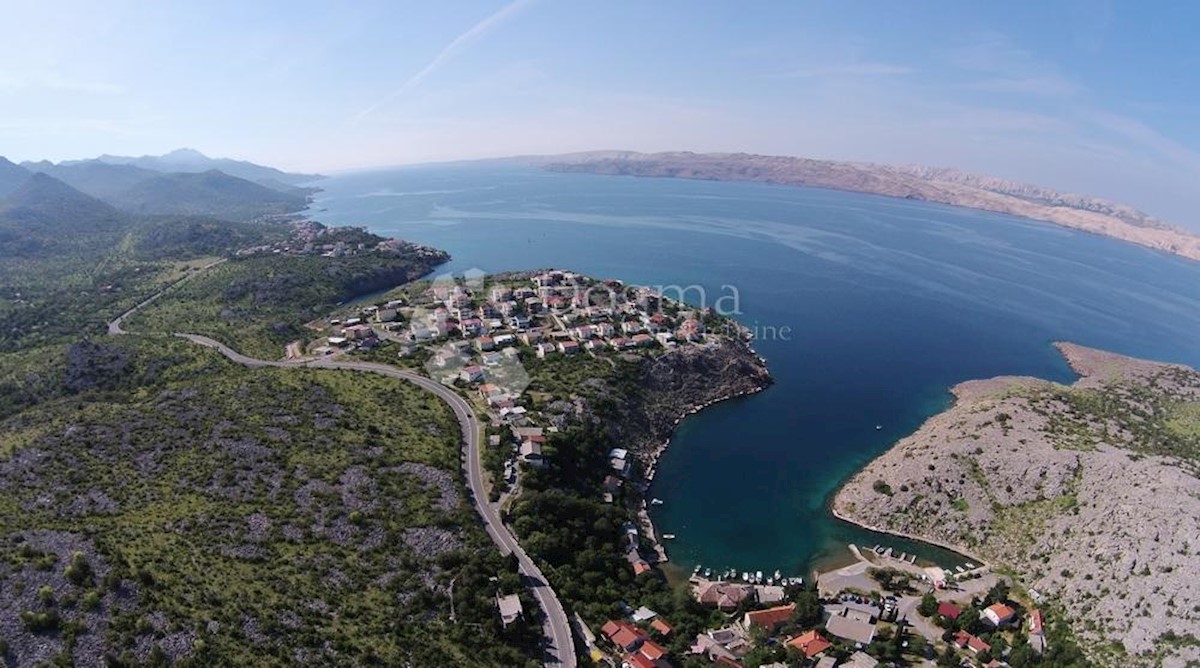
(1088, 492)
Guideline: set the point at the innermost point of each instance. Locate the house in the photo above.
(853, 626)
(948, 610)
(964, 640)
(643, 614)
(723, 595)
(653, 651)
(768, 594)
(859, 660)
(492, 359)
(472, 374)
(568, 347)
(624, 635)
(485, 343)
(769, 619)
(643, 340)
(531, 453)
(998, 614)
(531, 337)
(637, 661)
(827, 662)
(544, 348)
(810, 643)
(1036, 625)
(661, 626)
(510, 608)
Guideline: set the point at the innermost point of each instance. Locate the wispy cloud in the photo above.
(866, 69)
(457, 45)
(53, 81)
(999, 65)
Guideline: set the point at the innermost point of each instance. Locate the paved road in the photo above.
(560, 649)
(114, 327)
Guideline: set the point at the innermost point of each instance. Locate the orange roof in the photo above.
(1002, 611)
(810, 643)
(610, 628)
(1035, 622)
(640, 567)
(653, 650)
(771, 617)
(627, 637)
(638, 661)
(661, 626)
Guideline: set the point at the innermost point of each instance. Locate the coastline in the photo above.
(654, 455)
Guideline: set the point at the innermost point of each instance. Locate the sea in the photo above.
(866, 308)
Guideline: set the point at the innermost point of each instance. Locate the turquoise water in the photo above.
(889, 302)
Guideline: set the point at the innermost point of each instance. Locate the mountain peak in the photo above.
(188, 154)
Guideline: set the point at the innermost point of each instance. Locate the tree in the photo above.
(928, 606)
(808, 609)
(997, 594)
(968, 620)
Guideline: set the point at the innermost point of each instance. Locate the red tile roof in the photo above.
(810, 643)
(1002, 612)
(1035, 622)
(652, 650)
(638, 661)
(627, 638)
(771, 617)
(610, 628)
(948, 610)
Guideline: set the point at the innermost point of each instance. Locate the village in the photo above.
(879, 611)
(882, 610)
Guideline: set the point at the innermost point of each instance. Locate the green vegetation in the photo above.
(258, 304)
(261, 517)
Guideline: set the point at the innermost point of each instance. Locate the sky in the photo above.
(1083, 95)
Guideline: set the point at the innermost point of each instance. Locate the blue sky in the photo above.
(1095, 97)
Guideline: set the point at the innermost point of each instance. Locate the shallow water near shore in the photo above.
(868, 308)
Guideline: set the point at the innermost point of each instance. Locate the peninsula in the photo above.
(931, 184)
(1088, 493)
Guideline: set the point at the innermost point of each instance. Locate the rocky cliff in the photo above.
(1088, 492)
(661, 390)
(946, 186)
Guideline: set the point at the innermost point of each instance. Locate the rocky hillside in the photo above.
(684, 381)
(946, 186)
(1088, 492)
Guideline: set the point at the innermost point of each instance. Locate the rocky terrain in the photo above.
(1088, 492)
(946, 186)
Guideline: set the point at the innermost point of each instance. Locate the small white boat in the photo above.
(758, 576)
(708, 572)
(669, 536)
(878, 427)
(745, 576)
(777, 574)
(656, 502)
(696, 569)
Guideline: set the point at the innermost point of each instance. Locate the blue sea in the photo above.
(868, 309)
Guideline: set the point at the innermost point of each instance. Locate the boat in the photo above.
(708, 572)
(878, 427)
(745, 576)
(970, 565)
(669, 536)
(696, 569)
(758, 576)
(656, 502)
(777, 574)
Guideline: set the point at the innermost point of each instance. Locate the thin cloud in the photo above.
(845, 70)
(457, 45)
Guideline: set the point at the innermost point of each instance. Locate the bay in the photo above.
(867, 308)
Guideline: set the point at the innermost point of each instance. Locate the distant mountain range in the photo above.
(191, 160)
(46, 206)
(946, 186)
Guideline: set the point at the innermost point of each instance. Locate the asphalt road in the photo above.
(560, 648)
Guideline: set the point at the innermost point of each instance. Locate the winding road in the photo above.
(559, 646)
